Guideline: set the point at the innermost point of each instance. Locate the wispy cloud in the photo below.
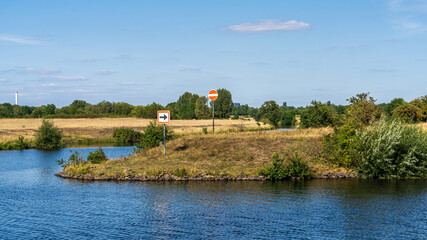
(90, 60)
(384, 70)
(135, 84)
(49, 85)
(269, 25)
(105, 72)
(408, 5)
(21, 40)
(66, 78)
(3, 80)
(39, 71)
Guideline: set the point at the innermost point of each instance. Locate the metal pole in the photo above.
(213, 117)
(164, 139)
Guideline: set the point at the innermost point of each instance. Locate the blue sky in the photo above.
(153, 51)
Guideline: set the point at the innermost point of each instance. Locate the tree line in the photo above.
(193, 106)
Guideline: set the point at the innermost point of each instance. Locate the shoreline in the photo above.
(197, 177)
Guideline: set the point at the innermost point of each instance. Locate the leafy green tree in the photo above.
(408, 113)
(318, 115)
(150, 111)
(49, 109)
(104, 107)
(17, 111)
(363, 110)
(37, 112)
(395, 103)
(186, 105)
(223, 104)
(201, 110)
(79, 104)
(287, 119)
(122, 108)
(48, 137)
(269, 112)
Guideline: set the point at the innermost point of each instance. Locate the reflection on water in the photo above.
(34, 203)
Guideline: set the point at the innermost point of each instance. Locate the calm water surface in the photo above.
(36, 204)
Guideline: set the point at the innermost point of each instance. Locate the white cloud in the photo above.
(3, 79)
(106, 72)
(20, 40)
(354, 46)
(49, 85)
(66, 78)
(190, 69)
(269, 25)
(39, 71)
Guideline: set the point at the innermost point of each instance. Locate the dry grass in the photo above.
(229, 154)
(102, 128)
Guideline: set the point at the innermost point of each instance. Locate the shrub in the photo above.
(205, 130)
(319, 115)
(339, 145)
(126, 136)
(153, 135)
(296, 168)
(389, 149)
(287, 119)
(48, 137)
(97, 157)
(180, 172)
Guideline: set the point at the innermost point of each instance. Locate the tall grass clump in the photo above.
(389, 149)
(289, 166)
(19, 144)
(48, 137)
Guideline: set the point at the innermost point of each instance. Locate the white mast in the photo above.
(16, 98)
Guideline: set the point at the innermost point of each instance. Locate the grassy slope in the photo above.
(229, 154)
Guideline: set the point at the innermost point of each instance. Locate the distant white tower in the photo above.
(16, 98)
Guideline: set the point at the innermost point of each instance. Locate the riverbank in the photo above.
(99, 130)
(234, 156)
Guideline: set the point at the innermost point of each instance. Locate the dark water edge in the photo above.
(36, 204)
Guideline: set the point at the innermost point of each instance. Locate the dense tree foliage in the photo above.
(48, 137)
(223, 104)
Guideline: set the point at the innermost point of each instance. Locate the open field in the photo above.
(102, 128)
(231, 154)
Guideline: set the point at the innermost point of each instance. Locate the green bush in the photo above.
(296, 168)
(48, 137)
(153, 136)
(339, 146)
(389, 149)
(180, 172)
(126, 136)
(97, 157)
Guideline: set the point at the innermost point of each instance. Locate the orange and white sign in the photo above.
(163, 117)
(213, 95)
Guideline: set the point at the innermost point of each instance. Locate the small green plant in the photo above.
(48, 137)
(19, 144)
(205, 130)
(296, 167)
(389, 149)
(75, 158)
(97, 157)
(126, 136)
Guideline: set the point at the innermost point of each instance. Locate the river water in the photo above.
(36, 204)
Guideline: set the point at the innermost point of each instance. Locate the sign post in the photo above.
(213, 95)
(163, 117)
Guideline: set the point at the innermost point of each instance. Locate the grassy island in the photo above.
(233, 156)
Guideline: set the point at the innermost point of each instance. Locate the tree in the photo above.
(223, 104)
(287, 119)
(104, 107)
(201, 110)
(186, 105)
(122, 108)
(48, 136)
(49, 109)
(153, 135)
(318, 115)
(269, 111)
(363, 109)
(408, 113)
